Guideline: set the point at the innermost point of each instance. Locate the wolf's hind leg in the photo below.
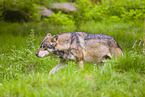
(57, 67)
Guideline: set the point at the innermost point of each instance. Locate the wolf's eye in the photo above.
(45, 48)
(42, 46)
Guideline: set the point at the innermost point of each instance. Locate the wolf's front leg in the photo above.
(81, 64)
(62, 64)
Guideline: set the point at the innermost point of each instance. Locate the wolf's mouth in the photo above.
(41, 53)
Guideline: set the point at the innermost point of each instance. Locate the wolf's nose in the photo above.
(36, 53)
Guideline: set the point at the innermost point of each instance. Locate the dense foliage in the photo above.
(120, 10)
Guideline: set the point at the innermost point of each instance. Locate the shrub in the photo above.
(28, 9)
(15, 16)
(133, 15)
(83, 12)
(61, 19)
(125, 10)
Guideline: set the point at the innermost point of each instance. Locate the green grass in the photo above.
(92, 81)
(23, 74)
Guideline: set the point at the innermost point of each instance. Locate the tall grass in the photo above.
(92, 81)
(23, 74)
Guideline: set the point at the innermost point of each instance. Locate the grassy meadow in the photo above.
(22, 74)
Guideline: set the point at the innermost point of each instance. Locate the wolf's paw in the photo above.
(52, 71)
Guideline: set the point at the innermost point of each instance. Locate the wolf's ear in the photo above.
(48, 35)
(54, 38)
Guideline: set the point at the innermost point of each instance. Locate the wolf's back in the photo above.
(101, 41)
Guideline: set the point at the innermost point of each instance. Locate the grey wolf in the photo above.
(79, 46)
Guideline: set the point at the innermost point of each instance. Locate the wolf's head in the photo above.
(47, 46)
